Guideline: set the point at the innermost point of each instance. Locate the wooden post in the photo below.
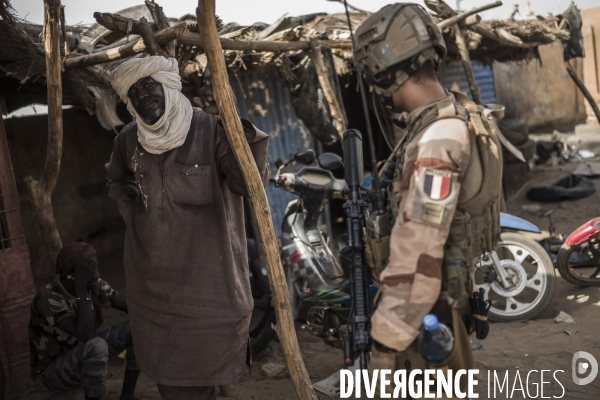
(466, 61)
(41, 190)
(235, 135)
(323, 74)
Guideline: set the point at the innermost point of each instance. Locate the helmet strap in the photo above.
(417, 62)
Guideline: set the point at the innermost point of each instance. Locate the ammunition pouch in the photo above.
(477, 235)
(457, 284)
(377, 246)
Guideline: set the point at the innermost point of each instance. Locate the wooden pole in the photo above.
(466, 61)
(41, 191)
(235, 135)
(323, 74)
(583, 89)
(127, 50)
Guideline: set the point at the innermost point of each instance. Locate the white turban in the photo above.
(172, 128)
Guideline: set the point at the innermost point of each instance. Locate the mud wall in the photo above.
(80, 200)
(591, 63)
(541, 92)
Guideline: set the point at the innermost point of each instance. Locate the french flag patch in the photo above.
(437, 183)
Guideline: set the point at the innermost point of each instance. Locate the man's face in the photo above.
(148, 99)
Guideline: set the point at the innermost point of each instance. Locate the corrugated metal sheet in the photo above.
(263, 98)
(454, 73)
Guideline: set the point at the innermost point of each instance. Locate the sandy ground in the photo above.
(539, 344)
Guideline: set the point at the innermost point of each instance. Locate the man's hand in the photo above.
(86, 270)
(206, 101)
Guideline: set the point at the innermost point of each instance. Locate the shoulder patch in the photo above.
(432, 197)
(437, 184)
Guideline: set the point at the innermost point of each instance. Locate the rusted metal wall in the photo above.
(452, 74)
(263, 98)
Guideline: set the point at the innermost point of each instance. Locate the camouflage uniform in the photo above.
(60, 361)
(445, 195)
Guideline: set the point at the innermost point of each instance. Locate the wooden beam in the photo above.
(127, 50)
(162, 23)
(268, 241)
(145, 30)
(339, 121)
(461, 17)
(193, 39)
(116, 22)
(41, 190)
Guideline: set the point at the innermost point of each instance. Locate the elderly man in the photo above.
(66, 350)
(179, 190)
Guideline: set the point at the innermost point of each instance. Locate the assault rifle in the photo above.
(357, 336)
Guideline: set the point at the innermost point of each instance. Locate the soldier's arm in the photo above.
(121, 184)
(411, 282)
(228, 166)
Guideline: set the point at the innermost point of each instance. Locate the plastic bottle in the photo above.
(436, 340)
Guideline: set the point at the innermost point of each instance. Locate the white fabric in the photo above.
(171, 129)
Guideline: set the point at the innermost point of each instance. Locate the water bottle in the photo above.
(436, 340)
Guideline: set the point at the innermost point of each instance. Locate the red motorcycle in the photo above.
(578, 260)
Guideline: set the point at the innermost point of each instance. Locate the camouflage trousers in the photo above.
(87, 363)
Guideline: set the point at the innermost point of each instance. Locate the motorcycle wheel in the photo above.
(531, 272)
(577, 266)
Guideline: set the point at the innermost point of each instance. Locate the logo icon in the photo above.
(580, 367)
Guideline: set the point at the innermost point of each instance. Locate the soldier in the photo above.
(445, 194)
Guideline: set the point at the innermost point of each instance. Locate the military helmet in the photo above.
(401, 33)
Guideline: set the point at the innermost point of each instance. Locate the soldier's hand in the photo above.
(206, 100)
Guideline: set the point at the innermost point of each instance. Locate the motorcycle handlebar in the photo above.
(290, 182)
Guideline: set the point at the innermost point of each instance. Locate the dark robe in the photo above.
(186, 267)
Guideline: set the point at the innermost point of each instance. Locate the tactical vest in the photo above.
(475, 228)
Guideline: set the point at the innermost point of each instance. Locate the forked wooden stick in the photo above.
(235, 134)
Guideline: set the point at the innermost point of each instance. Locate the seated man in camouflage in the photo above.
(66, 350)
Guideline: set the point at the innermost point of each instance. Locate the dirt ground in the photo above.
(539, 344)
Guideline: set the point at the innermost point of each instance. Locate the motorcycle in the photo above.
(578, 259)
(518, 276)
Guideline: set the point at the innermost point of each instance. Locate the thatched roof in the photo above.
(22, 60)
